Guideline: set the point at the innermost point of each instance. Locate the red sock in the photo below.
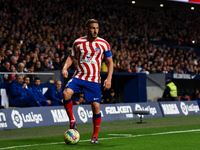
(96, 123)
(68, 107)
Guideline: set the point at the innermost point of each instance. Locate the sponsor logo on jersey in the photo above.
(89, 57)
(87, 61)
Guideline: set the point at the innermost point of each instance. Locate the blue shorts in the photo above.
(92, 90)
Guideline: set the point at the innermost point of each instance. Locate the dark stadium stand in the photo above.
(144, 37)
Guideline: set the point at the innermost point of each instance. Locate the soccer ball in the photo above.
(71, 136)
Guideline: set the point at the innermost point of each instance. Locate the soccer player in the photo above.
(89, 51)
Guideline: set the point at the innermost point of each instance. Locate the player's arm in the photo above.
(68, 63)
(107, 82)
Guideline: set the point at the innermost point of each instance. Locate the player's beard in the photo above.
(93, 36)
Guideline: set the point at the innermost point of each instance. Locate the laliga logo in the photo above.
(184, 108)
(152, 110)
(188, 108)
(17, 119)
(138, 107)
(85, 114)
(82, 114)
(30, 117)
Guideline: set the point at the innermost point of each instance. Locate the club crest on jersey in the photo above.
(97, 50)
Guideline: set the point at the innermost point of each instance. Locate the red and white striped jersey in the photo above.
(89, 55)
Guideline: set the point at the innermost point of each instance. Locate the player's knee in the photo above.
(96, 107)
(67, 94)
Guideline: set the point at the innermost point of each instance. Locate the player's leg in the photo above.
(68, 104)
(96, 120)
(71, 88)
(92, 93)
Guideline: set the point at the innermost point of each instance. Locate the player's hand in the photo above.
(107, 84)
(65, 73)
(24, 85)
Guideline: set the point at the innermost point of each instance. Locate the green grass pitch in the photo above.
(171, 133)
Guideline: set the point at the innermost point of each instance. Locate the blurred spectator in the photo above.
(194, 95)
(185, 97)
(20, 69)
(158, 69)
(128, 68)
(6, 68)
(28, 61)
(11, 40)
(19, 96)
(25, 67)
(152, 69)
(170, 92)
(57, 64)
(145, 69)
(37, 90)
(108, 96)
(7, 55)
(12, 76)
(121, 67)
(54, 93)
(32, 76)
(43, 46)
(38, 66)
(41, 59)
(78, 98)
(198, 99)
(47, 66)
(81, 99)
(13, 61)
(104, 67)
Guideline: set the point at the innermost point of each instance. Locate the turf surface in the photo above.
(158, 133)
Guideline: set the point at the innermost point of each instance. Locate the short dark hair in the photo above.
(26, 77)
(36, 78)
(17, 75)
(89, 21)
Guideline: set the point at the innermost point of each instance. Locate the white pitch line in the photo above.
(161, 133)
(118, 136)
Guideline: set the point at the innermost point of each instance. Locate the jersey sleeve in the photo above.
(73, 50)
(107, 52)
(107, 46)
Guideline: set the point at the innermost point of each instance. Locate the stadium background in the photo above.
(153, 85)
